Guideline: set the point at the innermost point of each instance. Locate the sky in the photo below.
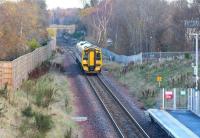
(64, 4)
(51, 4)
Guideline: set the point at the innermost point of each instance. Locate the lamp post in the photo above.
(196, 60)
(149, 45)
(196, 71)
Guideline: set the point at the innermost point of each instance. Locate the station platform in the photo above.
(189, 119)
(172, 123)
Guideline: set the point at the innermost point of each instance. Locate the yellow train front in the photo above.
(90, 57)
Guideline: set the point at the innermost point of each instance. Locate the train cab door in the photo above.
(92, 60)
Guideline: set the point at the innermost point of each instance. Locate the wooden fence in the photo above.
(15, 72)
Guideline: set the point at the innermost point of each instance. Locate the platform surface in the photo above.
(171, 125)
(189, 119)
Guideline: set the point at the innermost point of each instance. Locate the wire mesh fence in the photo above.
(148, 56)
(180, 99)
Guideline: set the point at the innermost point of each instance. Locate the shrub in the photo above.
(187, 56)
(28, 112)
(4, 91)
(68, 134)
(40, 70)
(33, 44)
(43, 122)
(44, 96)
(25, 126)
(51, 32)
(149, 102)
(27, 86)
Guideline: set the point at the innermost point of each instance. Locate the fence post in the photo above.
(197, 101)
(188, 99)
(174, 99)
(192, 101)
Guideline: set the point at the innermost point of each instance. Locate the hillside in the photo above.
(141, 78)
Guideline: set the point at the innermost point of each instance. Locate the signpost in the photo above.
(183, 93)
(159, 79)
(192, 23)
(168, 95)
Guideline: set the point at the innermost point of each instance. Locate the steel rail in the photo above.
(103, 82)
(101, 77)
(139, 132)
(105, 108)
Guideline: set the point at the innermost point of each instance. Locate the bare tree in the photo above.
(140, 25)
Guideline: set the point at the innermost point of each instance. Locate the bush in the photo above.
(187, 56)
(52, 32)
(33, 44)
(43, 122)
(68, 134)
(4, 91)
(25, 126)
(40, 70)
(44, 96)
(149, 102)
(28, 112)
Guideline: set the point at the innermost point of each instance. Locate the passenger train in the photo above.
(89, 57)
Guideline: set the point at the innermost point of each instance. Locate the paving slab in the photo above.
(171, 125)
(189, 119)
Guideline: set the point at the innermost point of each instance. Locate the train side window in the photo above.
(85, 56)
(98, 56)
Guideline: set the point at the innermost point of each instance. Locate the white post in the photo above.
(163, 102)
(192, 102)
(141, 54)
(174, 101)
(197, 98)
(188, 99)
(197, 61)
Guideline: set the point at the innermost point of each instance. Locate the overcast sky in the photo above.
(66, 3)
(63, 4)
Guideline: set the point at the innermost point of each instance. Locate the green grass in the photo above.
(43, 122)
(28, 112)
(141, 79)
(50, 102)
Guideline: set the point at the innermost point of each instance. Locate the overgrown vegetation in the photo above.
(28, 112)
(68, 134)
(141, 79)
(47, 91)
(46, 109)
(52, 32)
(43, 122)
(4, 91)
(40, 70)
(33, 44)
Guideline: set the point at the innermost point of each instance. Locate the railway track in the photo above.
(125, 124)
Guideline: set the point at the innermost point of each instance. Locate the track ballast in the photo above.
(124, 123)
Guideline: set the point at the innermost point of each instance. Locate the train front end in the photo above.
(92, 60)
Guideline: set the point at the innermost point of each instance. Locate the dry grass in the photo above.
(14, 124)
(141, 79)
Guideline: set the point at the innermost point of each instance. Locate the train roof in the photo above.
(86, 45)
